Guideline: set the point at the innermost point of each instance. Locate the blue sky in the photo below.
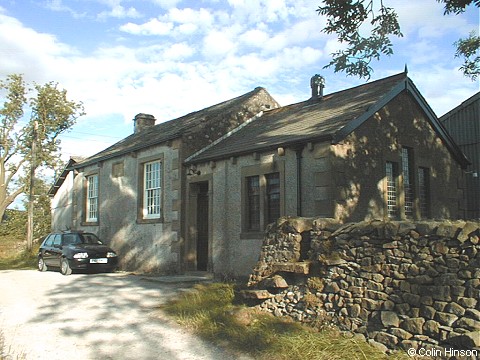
(172, 57)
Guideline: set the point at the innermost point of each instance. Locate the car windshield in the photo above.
(71, 239)
(90, 239)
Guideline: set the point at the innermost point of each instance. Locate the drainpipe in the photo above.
(298, 152)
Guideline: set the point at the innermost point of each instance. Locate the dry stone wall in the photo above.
(402, 285)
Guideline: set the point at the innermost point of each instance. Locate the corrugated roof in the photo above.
(168, 130)
(301, 122)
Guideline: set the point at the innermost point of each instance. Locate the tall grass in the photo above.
(13, 254)
(210, 312)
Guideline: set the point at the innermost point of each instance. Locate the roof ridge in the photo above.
(251, 92)
(227, 135)
(323, 125)
(385, 79)
(388, 78)
(170, 129)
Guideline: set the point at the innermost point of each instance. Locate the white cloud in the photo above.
(187, 29)
(118, 11)
(175, 21)
(156, 74)
(166, 4)
(201, 17)
(255, 37)
(217, 43)
(152, 27)
(29, 52)
(428, 20)
(253, 66)
(443, 88)
(426, 52)
(178, 51)
(253, 11)
(297, 57)
(58, 5)
(301, 32)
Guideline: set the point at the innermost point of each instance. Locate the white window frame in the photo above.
(391, 189)
(408, 182)
(92, 198)
(152, 190)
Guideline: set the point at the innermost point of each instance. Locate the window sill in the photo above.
(90, 223)
(150, 221)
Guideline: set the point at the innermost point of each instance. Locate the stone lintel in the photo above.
(292, 267)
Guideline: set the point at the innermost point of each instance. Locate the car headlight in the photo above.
(111, 254)
(82, 255)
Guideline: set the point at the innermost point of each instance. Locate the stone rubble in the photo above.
(400, 284)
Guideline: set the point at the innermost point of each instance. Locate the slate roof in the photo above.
(330, 118)
(166, 131)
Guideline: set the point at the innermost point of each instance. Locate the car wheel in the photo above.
(41, 264)
(65, 267)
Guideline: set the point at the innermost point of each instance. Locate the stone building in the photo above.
(132, 193)
(197, 192)
(375, 151)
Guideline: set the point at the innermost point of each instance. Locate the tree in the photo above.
(41, 210)
(349, 18)
(27, 144)
(15, 221)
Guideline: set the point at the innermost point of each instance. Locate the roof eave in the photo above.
(410, 87)
(61, 179)
(437, 125)
(124, 152)
(289, 144)
(355, 123)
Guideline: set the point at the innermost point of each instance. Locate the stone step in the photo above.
(256, 294)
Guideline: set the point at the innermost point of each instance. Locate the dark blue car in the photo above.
(75, 250)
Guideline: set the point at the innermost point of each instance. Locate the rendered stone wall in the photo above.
(401, 284)
(142, 246)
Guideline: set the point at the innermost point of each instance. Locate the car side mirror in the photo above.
(57, 246)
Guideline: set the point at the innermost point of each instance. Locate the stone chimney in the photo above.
(142, 122)
(317, 83)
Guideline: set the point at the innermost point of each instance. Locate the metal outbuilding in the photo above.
(463, 124)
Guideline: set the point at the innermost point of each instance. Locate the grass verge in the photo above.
(210, 312)
(22, 261)
(14, 256)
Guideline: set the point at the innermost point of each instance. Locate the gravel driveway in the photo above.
(93, 316)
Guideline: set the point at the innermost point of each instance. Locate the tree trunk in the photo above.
(31, 197)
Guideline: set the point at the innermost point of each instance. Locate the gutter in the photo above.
(122, 152)
(291, 144)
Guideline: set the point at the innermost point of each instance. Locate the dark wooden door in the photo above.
(202, 226)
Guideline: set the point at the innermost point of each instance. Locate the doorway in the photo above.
(202, 222)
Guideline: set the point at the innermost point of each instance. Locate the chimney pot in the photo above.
(143, 121)
(317, 83)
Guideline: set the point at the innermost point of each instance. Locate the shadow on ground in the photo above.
(116, 316)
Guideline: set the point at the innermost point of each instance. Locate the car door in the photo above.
(46, 250)
(56, 250)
